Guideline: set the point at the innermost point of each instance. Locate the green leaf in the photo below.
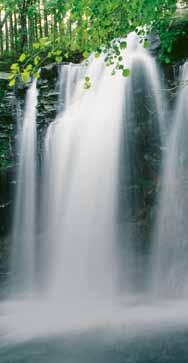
(120, 66)
(29, 67)
(87, 82)
(123, 45)
(126, 72)
(167, 60)
(36, 75)
(36, 45)
(97, 54)
(169, 49)
(43, 42)
(146, 44)
(58, 59)
(36, 60)
(12, 82)
(11, 76)
(25, 76)
(22, 58)
(87, 85)
(86, 54)
(58, 52)
(15, 67)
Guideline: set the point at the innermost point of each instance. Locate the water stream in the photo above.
(24, 228)
(76, 265)
(170, 263)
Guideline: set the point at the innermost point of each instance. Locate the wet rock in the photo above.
(154, 44)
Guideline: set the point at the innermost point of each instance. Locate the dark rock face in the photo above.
(154, 44)
(7, 169)
(7, 103)
(6, 207)
(47, 100)
(12, 105)
(7, 129)
(48, 95)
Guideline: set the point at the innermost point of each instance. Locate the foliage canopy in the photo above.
(36, 32)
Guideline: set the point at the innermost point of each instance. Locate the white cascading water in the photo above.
(78, 270)
(170, 262)
(24, 228)
(68, 79)
(144, 110)
(82, 153)
(82, 148)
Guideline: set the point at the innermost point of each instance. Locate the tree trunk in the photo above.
(1, 37)
(12, 44)
(40, 20)
(6, 36)
(46, 30)
(15, 31)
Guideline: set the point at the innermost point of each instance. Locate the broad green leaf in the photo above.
(11, 76)
(36, 75)
(12, 82)
(43, 42)
(146, 44)
(167, 60)
(29, 67)
(58, 52)
(123, 45)
(58, 59)
(97, 54)
(22, 58)
(25, 76)
(15, 67)
(36, 60)
(126, 72)
(36, 45)
(120, 66)
(86, 54)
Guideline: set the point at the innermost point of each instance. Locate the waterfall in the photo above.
(169, 262)
(81, 152)
(24, 233)
(80, 258)
(89, 250)
(69, 76)
(86, 247)
(141, 138)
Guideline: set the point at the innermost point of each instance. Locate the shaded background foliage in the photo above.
(37, 32)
